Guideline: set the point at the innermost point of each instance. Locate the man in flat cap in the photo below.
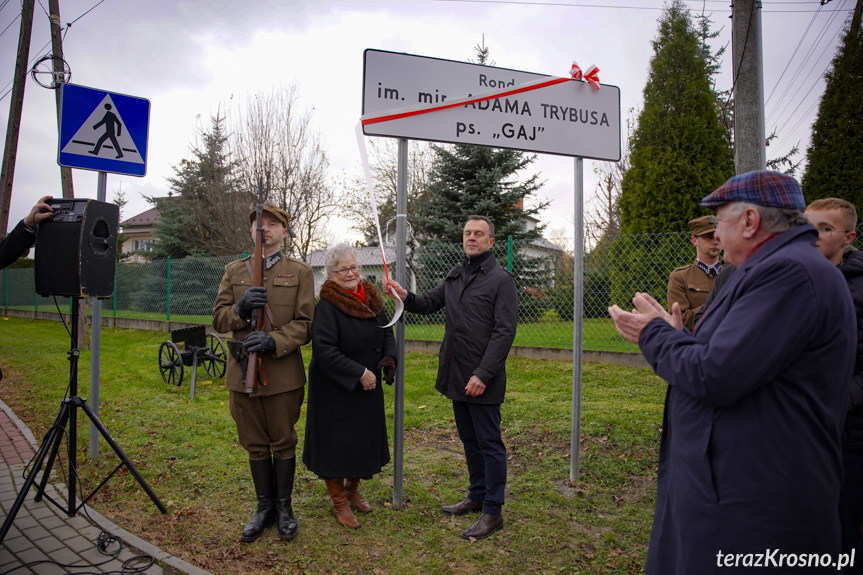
(266, 419)
(750, 457)
(689, 286)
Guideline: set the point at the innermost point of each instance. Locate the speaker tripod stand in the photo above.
(51, 446)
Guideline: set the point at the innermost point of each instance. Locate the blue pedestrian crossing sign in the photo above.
(103, 131)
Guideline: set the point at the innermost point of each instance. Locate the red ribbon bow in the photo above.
(591, 76)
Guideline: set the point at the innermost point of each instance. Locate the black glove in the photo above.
(388, 363)
(259, 341)
(255, 297)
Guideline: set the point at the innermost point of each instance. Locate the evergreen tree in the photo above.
(834, 168)
(467, 180)
(680, 150)
(208, 212)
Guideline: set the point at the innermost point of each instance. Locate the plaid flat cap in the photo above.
(760, 187)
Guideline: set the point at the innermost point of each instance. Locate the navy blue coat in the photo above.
(750, 457)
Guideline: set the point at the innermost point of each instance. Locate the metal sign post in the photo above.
(105, 132)
(569, 118)
(401, 278)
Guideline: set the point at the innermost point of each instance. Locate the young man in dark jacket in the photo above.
(481, 314)
(836, 221)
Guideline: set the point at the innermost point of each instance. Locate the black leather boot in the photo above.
(288, 527)
(265, 515)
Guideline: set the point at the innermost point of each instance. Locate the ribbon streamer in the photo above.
(591, 77)
(361, 142)
(593, 80)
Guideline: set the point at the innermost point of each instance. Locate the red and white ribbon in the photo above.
(361, 142)
(591, 77)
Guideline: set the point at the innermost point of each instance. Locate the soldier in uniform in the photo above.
(266, 419)
(690, 285)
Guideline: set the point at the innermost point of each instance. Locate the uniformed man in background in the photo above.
(689, 286)
(266, 419)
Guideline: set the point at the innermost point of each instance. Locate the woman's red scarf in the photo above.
(360, 294)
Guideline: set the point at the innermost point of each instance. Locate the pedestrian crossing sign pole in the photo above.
(103, 131)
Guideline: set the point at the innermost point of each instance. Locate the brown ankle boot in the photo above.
(355, 497)
(341, 508)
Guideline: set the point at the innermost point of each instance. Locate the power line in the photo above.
(7, 89)
(805, 33)
(803, 65)
(29, 65)
(614, 6)
(84, 14)
(810, 91)
(15, 19)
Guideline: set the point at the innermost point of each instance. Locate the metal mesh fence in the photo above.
(185, 289)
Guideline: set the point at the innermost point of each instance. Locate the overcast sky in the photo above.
(189, 57)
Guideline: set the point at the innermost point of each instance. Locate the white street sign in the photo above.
(570, 118)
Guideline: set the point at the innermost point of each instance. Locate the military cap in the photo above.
(759, 187)
(702, 225)
(274, 211)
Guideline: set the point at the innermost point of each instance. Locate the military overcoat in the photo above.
(689, 286)
(291, 298)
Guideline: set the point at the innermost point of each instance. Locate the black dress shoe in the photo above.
(484, 526)
(467, 505)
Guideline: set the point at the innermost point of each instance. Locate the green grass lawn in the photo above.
(598, 333)
(188, 452)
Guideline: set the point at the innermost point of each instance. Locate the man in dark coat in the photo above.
(266, 419)
(836, 221)
(481, 314)
(23, 236)
(750, 461)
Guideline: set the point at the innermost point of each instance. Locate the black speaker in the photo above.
(76, 249)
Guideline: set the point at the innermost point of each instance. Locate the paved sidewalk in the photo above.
(42, 532)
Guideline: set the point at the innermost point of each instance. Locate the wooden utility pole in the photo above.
(65, 172)
(855, 21)
(7, 172)
(750, 151)
(59, 79)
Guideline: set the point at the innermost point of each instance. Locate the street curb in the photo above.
(130, 539)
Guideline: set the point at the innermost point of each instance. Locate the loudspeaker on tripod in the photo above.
(76, 249)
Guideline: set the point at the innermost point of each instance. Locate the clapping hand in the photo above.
(630, 324)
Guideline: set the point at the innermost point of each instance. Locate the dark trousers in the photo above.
(851, 508)
(479, 430)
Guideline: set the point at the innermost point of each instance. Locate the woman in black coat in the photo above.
(346, 430)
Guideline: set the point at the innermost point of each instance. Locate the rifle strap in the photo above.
(267, 309)
(262, 372)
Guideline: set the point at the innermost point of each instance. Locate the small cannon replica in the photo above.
(198, 347)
